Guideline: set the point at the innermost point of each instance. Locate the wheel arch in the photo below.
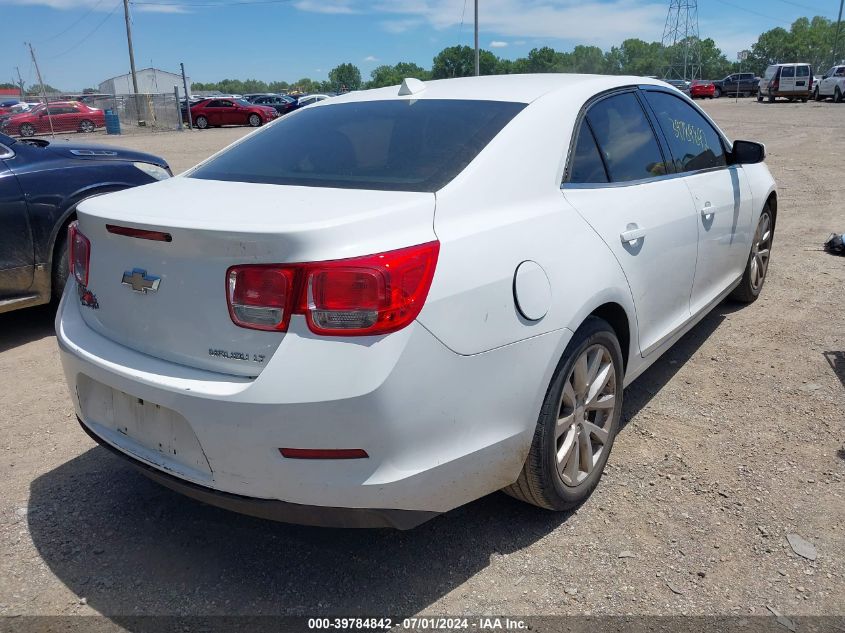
(617, 318)
(68, 214)
(772, 202)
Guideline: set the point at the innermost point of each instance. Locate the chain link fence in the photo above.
(90, 114)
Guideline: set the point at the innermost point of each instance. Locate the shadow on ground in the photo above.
(25, 326)
(131, 547)
(836, 360)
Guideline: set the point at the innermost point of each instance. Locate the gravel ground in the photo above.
(732, 440)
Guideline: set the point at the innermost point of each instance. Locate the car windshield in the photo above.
(396, 145)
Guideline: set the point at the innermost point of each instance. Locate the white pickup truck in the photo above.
(832, 84)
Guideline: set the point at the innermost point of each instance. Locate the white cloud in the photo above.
(597, 22)
(371, 58)
(326, 6)
(498, 44)
(159, 8)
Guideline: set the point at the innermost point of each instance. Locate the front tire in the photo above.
(754, 277)
(577, 424)
(27, 129)
(837, 95)
(254, 120)
(201, 122)
(717, 93)
(759, 98)
(817, 95)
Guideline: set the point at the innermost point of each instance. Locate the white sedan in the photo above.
(435, 291)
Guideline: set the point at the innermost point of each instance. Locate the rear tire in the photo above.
(717, 93)
(771, 99)
(60, 267)
(577, 424)
(86, 126)
(757, 266)
(837, 95)
(817, 95)
(759, 98)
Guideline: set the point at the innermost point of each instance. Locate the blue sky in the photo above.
(82, 42)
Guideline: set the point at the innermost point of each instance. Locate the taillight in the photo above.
(260, 296)
(371, 295)
(79, 255)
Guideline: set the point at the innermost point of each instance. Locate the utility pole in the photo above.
(187, 98)
(129, 41)
(477, 65)
(43, 92)
(131, 58)
(20, 82)
(836, 37)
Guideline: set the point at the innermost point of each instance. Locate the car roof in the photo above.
(513, 88)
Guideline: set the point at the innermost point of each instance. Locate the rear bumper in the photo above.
(440, 429)
(273, 509)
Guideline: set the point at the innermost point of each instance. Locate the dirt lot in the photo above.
(732, 440)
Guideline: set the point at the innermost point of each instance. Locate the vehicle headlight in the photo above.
(159, 173)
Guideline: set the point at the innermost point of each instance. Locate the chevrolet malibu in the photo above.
(396, 301)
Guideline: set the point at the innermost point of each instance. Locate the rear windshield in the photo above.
(399, 145)
(770, 72)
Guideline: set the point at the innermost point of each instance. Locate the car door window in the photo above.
(840, 72)
(694, 143)
(787, 71)
(213, 104)
(625, 138)
(586, 165)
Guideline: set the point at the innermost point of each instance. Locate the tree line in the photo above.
(807, 40)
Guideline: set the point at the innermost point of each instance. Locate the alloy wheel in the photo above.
(86, 126)
(586, 408)
(254, 120)
(27, 130)
(760, 251)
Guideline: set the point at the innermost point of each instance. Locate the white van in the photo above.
(793, 81)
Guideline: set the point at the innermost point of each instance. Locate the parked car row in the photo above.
(252, 110)
(56, 116)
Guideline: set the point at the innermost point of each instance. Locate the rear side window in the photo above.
(803, 71)
(787, 71)
(693, 141)
(625, 138)
(395, 145)
(586, 165)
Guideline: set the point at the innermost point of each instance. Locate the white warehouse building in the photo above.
(150, 81)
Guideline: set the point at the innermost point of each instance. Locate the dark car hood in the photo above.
(93, 151)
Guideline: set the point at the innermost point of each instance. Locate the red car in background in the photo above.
(217, 112)
(66, 116)
(702, 89)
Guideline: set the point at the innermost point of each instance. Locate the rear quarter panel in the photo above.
(506, 208)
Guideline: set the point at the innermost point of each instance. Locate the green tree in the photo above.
(345, 77)
(387, 75)
(806, 41)
(36, 89)
(586, 59)
(459, 61)
(278, 86)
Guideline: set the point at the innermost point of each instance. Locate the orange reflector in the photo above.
(324, 453)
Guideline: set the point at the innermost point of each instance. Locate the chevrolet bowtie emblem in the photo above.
(140, 281)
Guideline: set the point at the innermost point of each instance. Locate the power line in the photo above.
(75, 22)
(752, 11)
(802, 6)
(94, 30)
(221, 5)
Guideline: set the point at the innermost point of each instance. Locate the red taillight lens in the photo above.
(260, 296)
(80, 254)
(371, 295)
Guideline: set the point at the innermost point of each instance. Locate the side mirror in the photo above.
(825, 76)
(747, 153)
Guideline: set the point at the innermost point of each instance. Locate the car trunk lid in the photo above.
(167, 297)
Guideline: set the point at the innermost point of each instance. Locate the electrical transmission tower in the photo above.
(681, 47)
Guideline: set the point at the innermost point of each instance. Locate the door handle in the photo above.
(632, 234)
(707, 211)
